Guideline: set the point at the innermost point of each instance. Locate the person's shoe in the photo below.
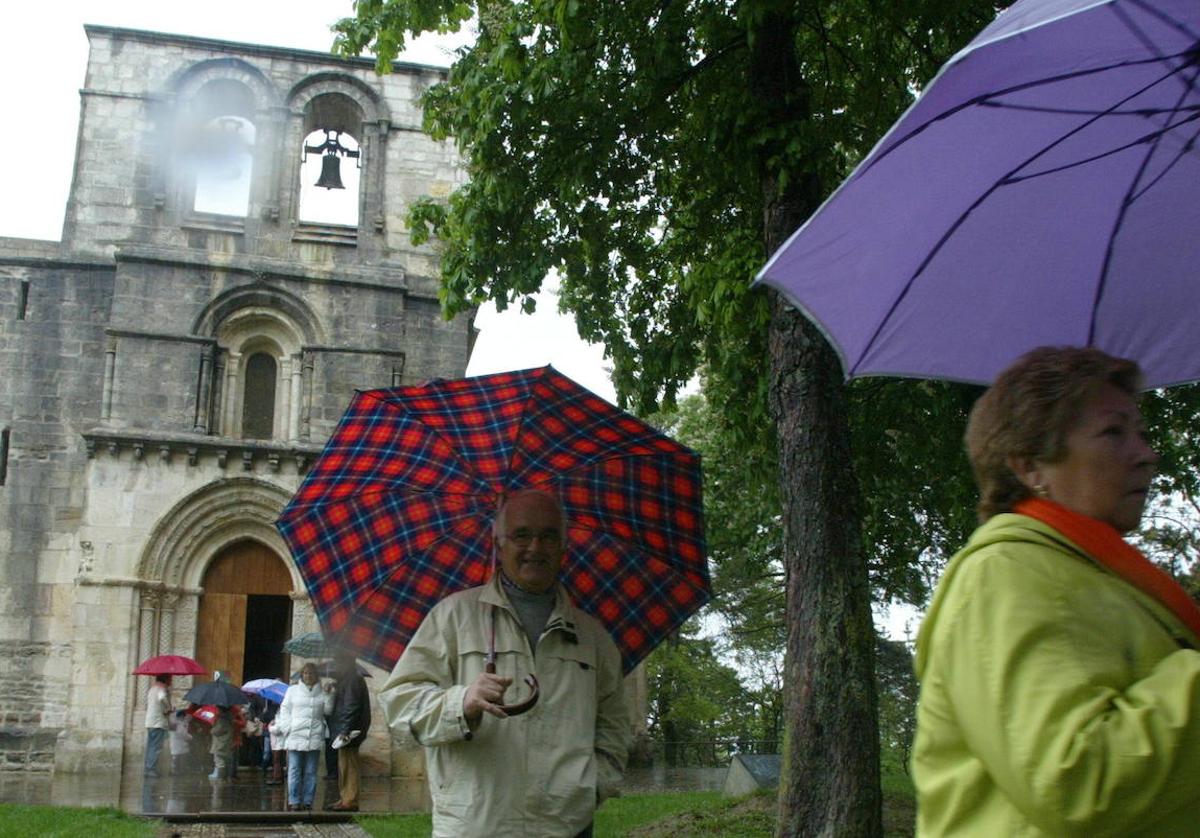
(293, 807)
(343, 807)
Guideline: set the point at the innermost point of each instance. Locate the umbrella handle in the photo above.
(489, 667)
(521, 706)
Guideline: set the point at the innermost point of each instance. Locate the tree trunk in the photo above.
(830, 781)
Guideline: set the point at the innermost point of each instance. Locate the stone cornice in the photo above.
(388, 277)
(91, 580)
(242, 49)
(250, 454)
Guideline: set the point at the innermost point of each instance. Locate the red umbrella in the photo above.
(169, 665)
(396, 512)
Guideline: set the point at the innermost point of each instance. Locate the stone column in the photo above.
(377, 194)
(297, 385)
(147, 634)
(166, 623)
(233, 365)
(204, 391)
(218, 392)
(110, 371)
(306, 400)
(282, 421)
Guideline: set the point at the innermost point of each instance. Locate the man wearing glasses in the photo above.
(499, 769)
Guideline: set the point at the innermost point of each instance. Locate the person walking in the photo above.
(158, 720)
(1059, 666)
(301, 723)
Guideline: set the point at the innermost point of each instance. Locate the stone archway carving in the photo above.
(207, 521)
(183, 543)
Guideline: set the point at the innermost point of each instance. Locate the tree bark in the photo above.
(830, 781)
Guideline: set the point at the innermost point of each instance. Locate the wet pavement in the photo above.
(194, 794)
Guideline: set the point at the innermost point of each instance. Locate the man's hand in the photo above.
(485, 695)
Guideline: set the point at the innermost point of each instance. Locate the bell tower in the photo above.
(233, 265)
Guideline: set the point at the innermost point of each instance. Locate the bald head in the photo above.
(530, 531)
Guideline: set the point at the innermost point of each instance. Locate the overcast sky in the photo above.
(43, 56)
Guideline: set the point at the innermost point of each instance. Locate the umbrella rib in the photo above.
(1131, 194)
(1005, 180)
(1143, 112)
(1193, 52)
(672, 563)
(465, 466)
(1152, 138)
(985, 98)
(525, 412)
(1189, 146)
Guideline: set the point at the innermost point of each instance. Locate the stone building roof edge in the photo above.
(242, 48)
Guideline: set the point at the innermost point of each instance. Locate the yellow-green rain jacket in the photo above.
(1056, 699)
(539, 774)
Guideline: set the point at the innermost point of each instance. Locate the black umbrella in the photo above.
(217, 693)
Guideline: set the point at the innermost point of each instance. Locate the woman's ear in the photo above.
(1028, 471)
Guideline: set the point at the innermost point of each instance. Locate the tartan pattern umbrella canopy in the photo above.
(396, 513)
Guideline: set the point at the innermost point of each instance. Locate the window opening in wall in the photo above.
(223, 163)
(23, 299)
(329, 178)
(3, 455)
(258, 402)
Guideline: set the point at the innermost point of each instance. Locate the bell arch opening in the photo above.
(331, 161)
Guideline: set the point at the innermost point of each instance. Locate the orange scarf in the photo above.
(1104, 545)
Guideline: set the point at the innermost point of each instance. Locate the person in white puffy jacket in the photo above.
(301, 724)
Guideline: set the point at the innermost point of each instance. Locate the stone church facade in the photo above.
(170, 369)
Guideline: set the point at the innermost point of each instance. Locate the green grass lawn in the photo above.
(62, 822)
(617, 817)
(686, 815)
(665, 815)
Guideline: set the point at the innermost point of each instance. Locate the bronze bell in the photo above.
(331, 172)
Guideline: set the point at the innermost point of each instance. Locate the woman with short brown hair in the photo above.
(1060, 682)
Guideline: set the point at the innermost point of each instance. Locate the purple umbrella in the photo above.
(1043, 190)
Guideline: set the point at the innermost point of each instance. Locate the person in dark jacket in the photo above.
(351, 720)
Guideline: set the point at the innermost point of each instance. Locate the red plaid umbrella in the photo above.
(396, 513)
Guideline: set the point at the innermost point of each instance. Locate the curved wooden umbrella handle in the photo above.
(521, 706)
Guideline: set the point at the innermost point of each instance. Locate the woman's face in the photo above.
(1109, 465)
(308, 674)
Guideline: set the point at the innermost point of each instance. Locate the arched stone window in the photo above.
(260, 356)
(260, 363)
(258, 400)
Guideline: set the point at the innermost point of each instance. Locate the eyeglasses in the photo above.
(523, 537)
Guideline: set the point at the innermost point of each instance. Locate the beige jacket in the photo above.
(539, 774)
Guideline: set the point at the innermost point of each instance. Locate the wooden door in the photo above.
(241, 570)
(221, 637)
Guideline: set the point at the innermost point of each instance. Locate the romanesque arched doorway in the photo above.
(245, 613)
